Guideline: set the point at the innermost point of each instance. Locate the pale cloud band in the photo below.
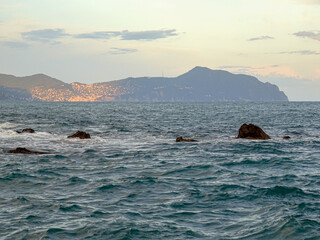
(246, 68)
(148, 35)
(44, 35)
(121, 51)
(52, 35)
(98, 35)
(127, 35)
(15, 44)
(309, 34)
(260, 38)
(302, 52)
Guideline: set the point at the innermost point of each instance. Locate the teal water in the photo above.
(133, 181)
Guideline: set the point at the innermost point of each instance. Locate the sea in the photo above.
(132, 180)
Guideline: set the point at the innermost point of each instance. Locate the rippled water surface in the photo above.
(131, 180)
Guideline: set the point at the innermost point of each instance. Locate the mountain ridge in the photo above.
(200, 84)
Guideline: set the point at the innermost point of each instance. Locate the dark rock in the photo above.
(25, 151)
(286, 137)
(81, 135)
(250, 131)
(27, 130)
(181, 139)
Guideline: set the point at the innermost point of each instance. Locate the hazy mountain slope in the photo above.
(14, 94)
(30, 82)
(198, 85)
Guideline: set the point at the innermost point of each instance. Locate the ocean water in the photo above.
(133, 181)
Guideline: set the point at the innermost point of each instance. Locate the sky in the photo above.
(88, 41)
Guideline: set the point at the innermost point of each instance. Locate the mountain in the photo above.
(14, 94)
(31, 82)
(198, 85)
(26, 88)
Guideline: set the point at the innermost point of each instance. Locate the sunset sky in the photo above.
(100, 40)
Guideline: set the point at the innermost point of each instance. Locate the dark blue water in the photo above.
(133, 181)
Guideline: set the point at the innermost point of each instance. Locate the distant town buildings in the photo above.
(77, 93)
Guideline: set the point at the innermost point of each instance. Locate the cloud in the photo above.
(120, 51)
(302, 52)
(45, 35)
(148, 35)
(53, 35)
(98, 35)
(15, 44)
(309, 34)
(241, 67)
(127, 35)
(263, 70)
(260, 38)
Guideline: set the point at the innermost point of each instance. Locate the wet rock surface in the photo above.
(25, 151)
(181, 139)
(81, 135)
(251, 131)
(27, 130)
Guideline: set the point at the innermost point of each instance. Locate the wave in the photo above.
(290, 227)
(16, 176)
(70, 208)
(8, 125)
(131, 180)
(109, 187)
(285, 191)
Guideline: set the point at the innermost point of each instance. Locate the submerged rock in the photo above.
(81, 135)
(181, 139)
(27, 130)
(286, 137)
(250, 131)
(25, 151)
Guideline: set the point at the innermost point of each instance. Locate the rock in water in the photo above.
(81, 135)
(286, 137)
(25, 151)
(27, 130)
(181, 139)
(250, 131)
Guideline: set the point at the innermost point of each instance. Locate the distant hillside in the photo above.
(31, 82)
(198, 85)
(14, 94)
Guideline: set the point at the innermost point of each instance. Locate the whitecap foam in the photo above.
(8, 125)
(4, 132)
